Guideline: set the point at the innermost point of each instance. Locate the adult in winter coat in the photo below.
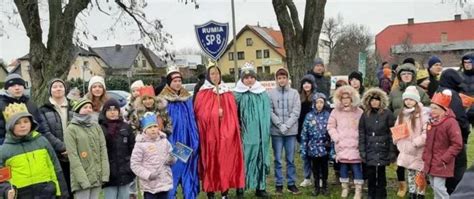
(375, 141)
(307, 89)
(315, 141)
(451, 80)
(285, 112)
(467, 72)
(87, 152)
(343, 127)
(185, 131)
(465, 188)
(56, 114)
(321, 77)
(406, 74)
(14, 87)
(434, 69)
(34, 167)
(410, 148)
(119, 139)
(443, 143)
(219, 133)
(254, 112)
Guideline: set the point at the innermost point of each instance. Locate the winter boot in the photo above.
(402, 189)
(324, 189)
(419, 196)
(412, 196)
(317, 188)
(345, 189)
(358, 191)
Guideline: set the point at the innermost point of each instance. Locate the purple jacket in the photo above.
(151, 156)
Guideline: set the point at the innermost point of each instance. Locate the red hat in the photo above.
(146, 91)
(442, 99)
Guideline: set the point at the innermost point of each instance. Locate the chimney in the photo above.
(117, 47)
(457, 17)
(411, 21)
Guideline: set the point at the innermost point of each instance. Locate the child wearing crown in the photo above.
(87, 152)
(151, 159)
(24, 148)
(147, 101)
(443, 143)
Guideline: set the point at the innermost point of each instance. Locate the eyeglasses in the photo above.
(405, 73)
(467, 62)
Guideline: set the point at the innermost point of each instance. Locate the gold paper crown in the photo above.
(247, 67)
(13, 109)
(211, 63)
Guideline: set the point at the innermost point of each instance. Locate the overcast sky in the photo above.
(179, 19)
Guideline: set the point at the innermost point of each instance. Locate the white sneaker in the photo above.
(306, 183)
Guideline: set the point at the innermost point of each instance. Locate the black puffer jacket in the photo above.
(119, 149)
(53, 120)
(306, 105)
(323, 83)
(5, 100)
(375, 139)
(468, 76)
(450, 79)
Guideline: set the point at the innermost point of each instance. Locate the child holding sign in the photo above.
(24, 148)
(410, 139)
(152, 159)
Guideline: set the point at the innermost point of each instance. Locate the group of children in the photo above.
(104, 152)
(431, 142)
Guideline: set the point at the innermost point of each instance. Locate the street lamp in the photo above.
(84, 66)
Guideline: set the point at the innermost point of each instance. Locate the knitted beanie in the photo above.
(411, 93)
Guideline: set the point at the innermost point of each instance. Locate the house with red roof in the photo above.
(446, 39)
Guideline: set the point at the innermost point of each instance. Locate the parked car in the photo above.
(120, 96)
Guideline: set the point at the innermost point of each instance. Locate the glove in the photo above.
(283, 128)
(153, 176)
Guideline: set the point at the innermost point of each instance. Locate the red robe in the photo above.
(221, 163)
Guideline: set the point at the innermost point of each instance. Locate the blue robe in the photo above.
(181, 112)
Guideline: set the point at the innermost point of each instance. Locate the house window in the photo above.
(259, 54)
(444, 37)
(86, 63)
(135, 64)
(249, 41)
(240, 55)
(144, 63)
(266, 53)
(259, 69)
(267, 69)
(231, 56)
(231, 71)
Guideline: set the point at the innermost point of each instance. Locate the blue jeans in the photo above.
(278, 144)
(117, 192)
(356, 172)
(307, 168)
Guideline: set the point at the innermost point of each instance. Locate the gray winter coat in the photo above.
(286, 107)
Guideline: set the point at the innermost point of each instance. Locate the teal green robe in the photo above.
(254, 115)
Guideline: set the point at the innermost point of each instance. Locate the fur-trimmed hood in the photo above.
(346, 89)
(374, 93)
(169, 94)
(160, 104)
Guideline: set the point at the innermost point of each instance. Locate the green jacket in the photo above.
(35, 153)
(87, 153)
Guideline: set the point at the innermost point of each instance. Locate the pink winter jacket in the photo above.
(411, 147)
(150, 156)
(343, 127)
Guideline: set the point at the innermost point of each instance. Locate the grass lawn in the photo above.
(335, 190)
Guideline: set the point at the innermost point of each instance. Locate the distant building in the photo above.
(134, 58)
(447, 39)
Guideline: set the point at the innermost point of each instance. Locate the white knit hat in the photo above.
(411, 93)
(137, 84)
(96, 79)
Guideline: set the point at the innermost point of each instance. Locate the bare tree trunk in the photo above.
(53, 60)
(301, 42)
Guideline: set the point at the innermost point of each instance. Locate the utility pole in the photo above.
(236, 68)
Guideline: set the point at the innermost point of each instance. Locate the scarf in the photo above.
(113, 126)
(82, 119)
